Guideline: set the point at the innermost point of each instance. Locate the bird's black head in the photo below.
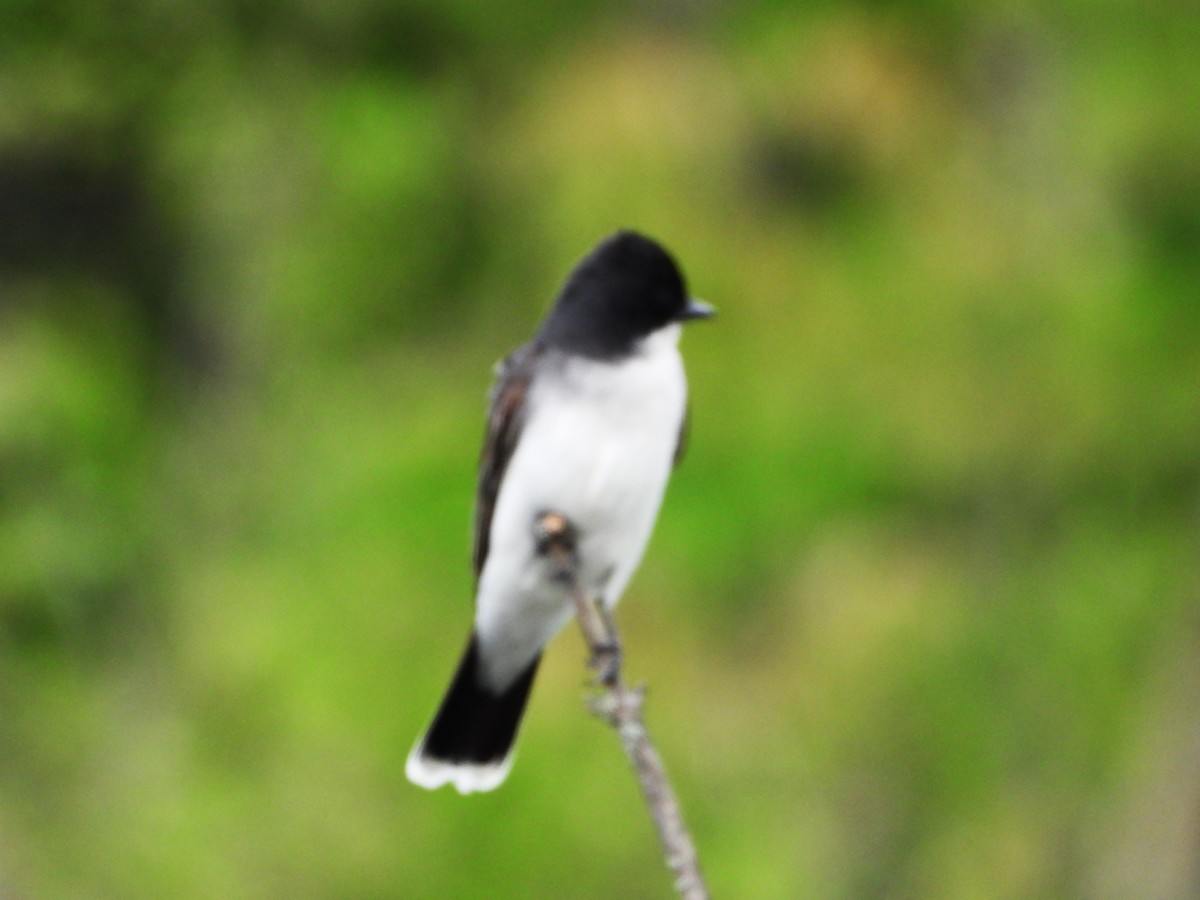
(625, 289)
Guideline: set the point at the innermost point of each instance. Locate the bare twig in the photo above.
(621, 707)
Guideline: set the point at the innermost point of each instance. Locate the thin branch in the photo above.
(621, 707)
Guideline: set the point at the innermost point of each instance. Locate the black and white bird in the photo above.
(586, 420)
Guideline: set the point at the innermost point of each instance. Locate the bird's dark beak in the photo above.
(696, 309)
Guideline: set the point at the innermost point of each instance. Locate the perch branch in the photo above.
(621, 706)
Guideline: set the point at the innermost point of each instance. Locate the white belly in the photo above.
(597, 450)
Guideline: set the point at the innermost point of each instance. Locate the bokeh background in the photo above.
(921, 617)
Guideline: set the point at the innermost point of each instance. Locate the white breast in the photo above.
(597, 447)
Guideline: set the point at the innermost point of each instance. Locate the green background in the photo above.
(921, 616)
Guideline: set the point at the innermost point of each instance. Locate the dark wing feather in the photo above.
(506, 416)
(685, 429)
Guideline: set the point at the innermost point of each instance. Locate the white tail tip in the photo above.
(467, 778)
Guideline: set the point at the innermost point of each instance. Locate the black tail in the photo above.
(470, 741)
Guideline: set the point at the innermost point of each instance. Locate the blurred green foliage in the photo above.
(921, 614)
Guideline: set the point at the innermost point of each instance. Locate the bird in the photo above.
(587, 421)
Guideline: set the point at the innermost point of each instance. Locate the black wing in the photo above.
(506, 416)
(685, 430)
